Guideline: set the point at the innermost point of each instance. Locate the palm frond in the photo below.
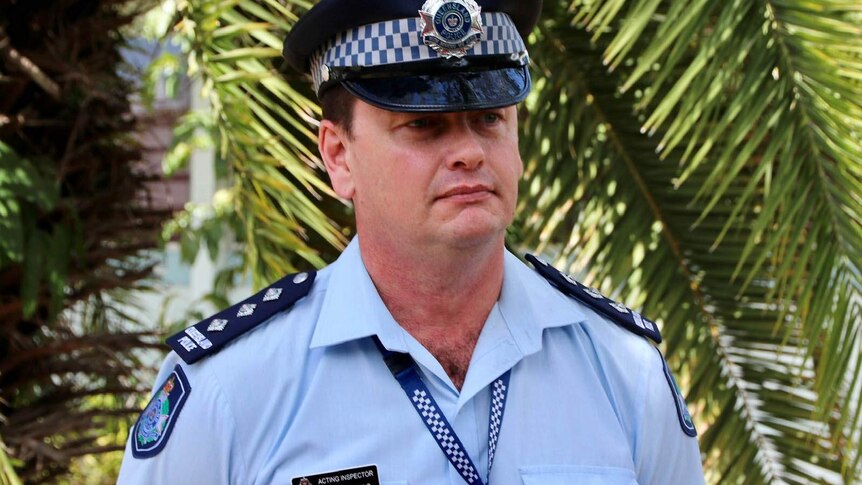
(711, 178)
(7, 471)
(266, 133)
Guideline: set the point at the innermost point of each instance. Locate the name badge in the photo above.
(364, 475)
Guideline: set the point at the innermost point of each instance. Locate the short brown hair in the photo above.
(337, 105)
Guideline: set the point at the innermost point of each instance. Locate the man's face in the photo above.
(432, 178)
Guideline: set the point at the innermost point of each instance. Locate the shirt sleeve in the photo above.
(200, 447)
(664, 453)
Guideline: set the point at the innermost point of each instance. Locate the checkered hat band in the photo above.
(397, 41)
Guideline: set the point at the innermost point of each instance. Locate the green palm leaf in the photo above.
(266, 133)
(712, 178)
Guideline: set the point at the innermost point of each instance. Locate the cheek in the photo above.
(509, 174)
(520, 169)
(517, 163)
(384, 180)
(511, 167)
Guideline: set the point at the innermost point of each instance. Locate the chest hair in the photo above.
(453, 353)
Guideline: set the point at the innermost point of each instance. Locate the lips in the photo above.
(466, 192)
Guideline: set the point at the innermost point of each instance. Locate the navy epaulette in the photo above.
(210, 335)
(620, 314)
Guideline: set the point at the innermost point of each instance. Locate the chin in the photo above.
(468, 234)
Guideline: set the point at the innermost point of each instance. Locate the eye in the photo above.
(419, 123)
(491, 118)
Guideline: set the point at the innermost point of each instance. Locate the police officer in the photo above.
(426, 353)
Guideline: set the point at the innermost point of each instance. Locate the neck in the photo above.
(442, 298)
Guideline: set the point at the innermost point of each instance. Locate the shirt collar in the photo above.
(352, 308)
(529, 305)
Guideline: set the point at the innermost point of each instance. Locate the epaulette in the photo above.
(208, 336)
(618, 313)
(622, 316)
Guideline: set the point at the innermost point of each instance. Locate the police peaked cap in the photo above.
(454, 55)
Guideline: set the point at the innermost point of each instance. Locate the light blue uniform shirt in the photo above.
(308, 392)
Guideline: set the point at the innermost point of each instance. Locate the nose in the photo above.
(466, 151)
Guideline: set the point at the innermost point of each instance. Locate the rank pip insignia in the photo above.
(451, 27)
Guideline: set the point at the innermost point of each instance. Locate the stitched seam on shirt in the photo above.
(597, 364)
(314, 292)
(230, 413)
(644, 385)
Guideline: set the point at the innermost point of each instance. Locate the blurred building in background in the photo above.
(181, 288)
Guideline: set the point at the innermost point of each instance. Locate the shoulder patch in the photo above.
(154, 425)
(682, 413)
(618, 313)
(210, 335)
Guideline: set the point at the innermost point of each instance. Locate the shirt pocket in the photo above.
(577, 474)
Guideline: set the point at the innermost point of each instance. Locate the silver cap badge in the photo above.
(451, 27)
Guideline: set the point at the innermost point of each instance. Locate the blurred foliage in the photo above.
(261, 123)
(77, 222)
(8, 476)
(102, 468)
(27, 189)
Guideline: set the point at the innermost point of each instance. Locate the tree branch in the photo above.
(25, 65)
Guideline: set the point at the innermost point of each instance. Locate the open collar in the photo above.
(352, 308)
(529, 305)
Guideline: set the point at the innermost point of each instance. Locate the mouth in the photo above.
(467, 193)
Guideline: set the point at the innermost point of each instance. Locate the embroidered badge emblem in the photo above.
(154, 425)
(451, 27)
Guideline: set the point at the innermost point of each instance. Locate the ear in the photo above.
(332, 143)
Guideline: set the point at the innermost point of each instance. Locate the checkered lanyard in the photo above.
(404, 370)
